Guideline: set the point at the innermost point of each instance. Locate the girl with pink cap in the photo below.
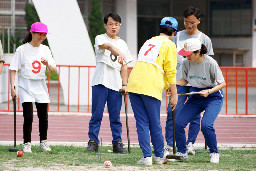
(31, 61)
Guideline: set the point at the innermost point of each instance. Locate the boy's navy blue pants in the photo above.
(147, 114)
(101, 95)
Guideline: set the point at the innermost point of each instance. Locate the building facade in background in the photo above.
(231, 24)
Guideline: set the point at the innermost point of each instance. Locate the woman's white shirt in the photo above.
(31, 72)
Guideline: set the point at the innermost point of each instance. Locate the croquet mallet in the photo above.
(14, 111)
(126, 116)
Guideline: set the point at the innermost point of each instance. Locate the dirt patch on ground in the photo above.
(76, 168)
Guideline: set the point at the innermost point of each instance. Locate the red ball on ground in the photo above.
(20, 153)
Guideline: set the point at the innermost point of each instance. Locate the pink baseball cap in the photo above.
(190, 45)
(39, 27)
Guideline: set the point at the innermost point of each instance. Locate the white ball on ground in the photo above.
(107, 164)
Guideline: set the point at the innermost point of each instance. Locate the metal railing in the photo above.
(239, 94)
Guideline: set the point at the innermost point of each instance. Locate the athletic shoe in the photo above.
(92, 146)
(27, 148)
(161, 160)
(190, 149)
(118, 147)
(184, 155)
(169, 149)
(145, 161)
(44, 146)
(214, 158)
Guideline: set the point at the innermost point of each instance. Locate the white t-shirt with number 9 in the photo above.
(27, 60)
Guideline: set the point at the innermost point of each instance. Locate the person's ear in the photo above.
(173, 33)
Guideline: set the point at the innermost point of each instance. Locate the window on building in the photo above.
(108, 6)
(147, 28)
(12, 23)
(230, 18)
(20, 5)
(5, 21)
(153, 8)
(230, 57)
(149, 17)
(5, 5)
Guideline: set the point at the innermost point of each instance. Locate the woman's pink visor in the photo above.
(182, 52)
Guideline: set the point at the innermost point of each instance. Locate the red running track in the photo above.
(75, 129)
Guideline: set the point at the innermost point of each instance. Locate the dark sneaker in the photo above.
(92, 146)
(118, 147)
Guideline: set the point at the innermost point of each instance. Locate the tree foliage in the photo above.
(31, 15)
(14, 42)
(96, 24)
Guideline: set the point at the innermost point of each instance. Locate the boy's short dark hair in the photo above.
(167, 30)
(191, 11)
(113, 15)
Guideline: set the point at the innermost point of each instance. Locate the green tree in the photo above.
(14, 42)
(96, 24)
(31, 15)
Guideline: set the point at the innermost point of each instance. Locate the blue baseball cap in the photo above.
(173, 21)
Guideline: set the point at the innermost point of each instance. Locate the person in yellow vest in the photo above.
(154, 71)
(31, 60)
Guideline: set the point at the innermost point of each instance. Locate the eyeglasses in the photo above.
(187, 22)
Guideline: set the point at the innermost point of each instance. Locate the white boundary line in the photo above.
(122, 114)
(84, 144)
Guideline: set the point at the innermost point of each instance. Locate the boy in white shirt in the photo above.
(112, 57)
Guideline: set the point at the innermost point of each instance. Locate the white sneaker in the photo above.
(169, 149)
(27, 148)
(44, 146)
(161, 160)
(214, 157)
(146, 161)
(184, 155)
(190, 149)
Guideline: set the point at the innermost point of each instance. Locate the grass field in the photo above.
(74, 158)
